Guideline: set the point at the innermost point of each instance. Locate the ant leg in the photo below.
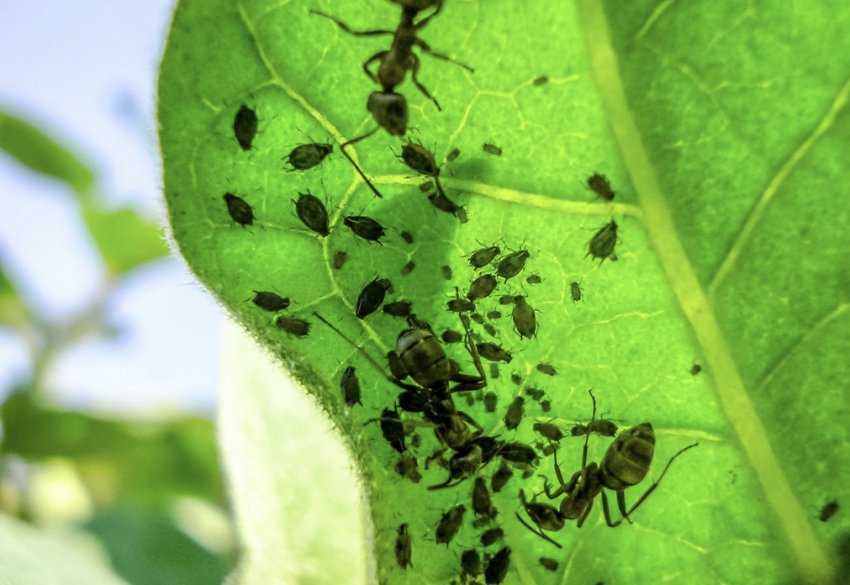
(564, 487)
(426, 48)
(355, 165)
(376, 57)
(470, 345)
(414, 70)
(539, 531)
(422, 23)
(346, 28)
(587, 438)
(468, 419)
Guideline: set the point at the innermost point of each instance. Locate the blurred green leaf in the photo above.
(29, 557)
(124, 238)
(42, 153)
(13, 310)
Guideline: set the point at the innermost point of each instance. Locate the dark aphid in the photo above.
(470, 562)
(494, 315)
(602, 244)
(481, 504)
(491, 331)
(483, 257)
(460, 306)
(240, 210)
(482, 287)
(398, 308)
(408, 467)
(492, 536)
(603, 427)
(535, 393)
(506, 299)
(534, 279)
(245, 126)
(419, 159)
(293, 326)
(514, 415)
(828, 511)
(350, 387)
(396, 367)
(371, 297)
(307, 156)
(524, 318)
(493, 353)
(547, 369)
(393, 429)
(453, 154)
(447, 271)
(426, 186)
(339, 259)
(477, 317)
(491, 149)
(365, 227)
(575, 291)
(408, 268)
(500, 478)
(548, 430)
(512, 264)
(443, 203)
(545, 405)
(494, 371)
(450, 524)
(695, 369)
(549, 564)
(516, 379)
(449, 336)
(491, 398)
(518, 453)
(269, 301)
(312, 213)
(497, 567)
(470, 399)
(402, 547)
(599, 184)
(548, 449)
(406, 236)
(542, 80)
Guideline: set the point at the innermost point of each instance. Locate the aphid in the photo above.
(483, 257)
(548, 564)
(240, 210)
(695, 369)
(829, 510)
(307, 156)
(460, 306)
(548, 449)
(470, 562)
(518, 453)
(453, 154)
(408, 268)
(406, 236)
(245, 127)
(398, 308)
(491, 398)
(497, 567)
(477, 317)
(492, 536)
(339, 259)
(443, 203)
(494, 315)
(547, 369)
(491, 331)
(491, 149)
(371, 297)
(516, 379)
(482, 287)
(506, 299)
(549, 431)
(408, 467)
(493, 353)
(392, 429)
(500, 478)
(512, 264)
(481, 504)
(494, 371)
(419, 159)
(269, 301)
(293, 326)
(365, 227)
(545, 405)
(542, 80)
(534, 279)
(350, 387)
(599, 184)
(426, 186)
(402, 547)
(450, 336)
(535, 393)
(602, 427)
(575, 291)
(312, 213)
(602, 244)
(524, 318)
(450, 524)
(447, 271)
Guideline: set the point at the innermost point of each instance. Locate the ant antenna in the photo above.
(355, 165)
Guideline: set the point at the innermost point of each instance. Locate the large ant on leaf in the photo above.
(388, 107)
(626, 463)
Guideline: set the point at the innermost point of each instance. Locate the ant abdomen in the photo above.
(628, 458)
(423, 357)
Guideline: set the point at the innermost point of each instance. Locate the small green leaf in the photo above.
(124, 238)
(13, 310)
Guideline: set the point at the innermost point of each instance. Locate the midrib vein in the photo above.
(812, 560)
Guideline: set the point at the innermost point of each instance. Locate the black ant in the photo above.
(626, 463)
(388, 107)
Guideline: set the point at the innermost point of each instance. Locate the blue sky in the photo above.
(86, 72)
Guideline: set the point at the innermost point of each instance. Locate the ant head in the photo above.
(389, 110)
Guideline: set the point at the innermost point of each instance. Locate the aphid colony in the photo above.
(431, 385)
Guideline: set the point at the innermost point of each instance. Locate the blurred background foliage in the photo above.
(148, 493)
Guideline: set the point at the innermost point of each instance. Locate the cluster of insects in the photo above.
(438, 373)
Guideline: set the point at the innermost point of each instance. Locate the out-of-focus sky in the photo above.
(86, 72)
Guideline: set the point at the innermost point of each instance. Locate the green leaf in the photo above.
(722, 130)
(32, 558)
(13, 309)
(36, 149)
(124, 238)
